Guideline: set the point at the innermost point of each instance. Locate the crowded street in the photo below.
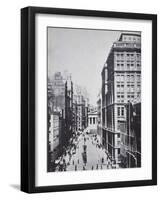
(94, 124)
(84, 153)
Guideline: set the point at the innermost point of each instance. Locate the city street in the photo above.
(85, 153)
(94, 123)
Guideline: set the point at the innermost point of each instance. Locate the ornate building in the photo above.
(99, 115)
(58, 84)
(121, 83)
(82, 103)
(92, 122)
(69, 120)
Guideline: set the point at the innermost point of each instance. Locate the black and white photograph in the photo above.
(93, 99)
(89, 99)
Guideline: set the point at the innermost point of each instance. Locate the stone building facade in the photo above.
(121, 83)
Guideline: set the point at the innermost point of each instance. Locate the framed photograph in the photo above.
(88, 99)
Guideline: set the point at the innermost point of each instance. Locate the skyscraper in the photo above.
(121, 83)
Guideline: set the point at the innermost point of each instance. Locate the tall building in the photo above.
(130, 131)
(69, 120)
(54, 139)
(121, 83)
(50, 97)
(60, 113)
(81, 102)
(58, 83)
(80, 112)
(99, 115)
(75, 113)
(86, 112)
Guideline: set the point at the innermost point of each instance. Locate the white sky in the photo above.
(81, 52)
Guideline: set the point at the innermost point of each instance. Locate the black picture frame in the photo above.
(28, 91)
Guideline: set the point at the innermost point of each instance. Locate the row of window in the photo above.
(131, 88)
(131, 38)
(121, 99)
(128, 64)
(128, 77)
(138, 55)
(128, 85)
(128, 61)
(122, 93)
(120, 111)
(128, 96)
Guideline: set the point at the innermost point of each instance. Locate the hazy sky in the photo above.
(82, 53)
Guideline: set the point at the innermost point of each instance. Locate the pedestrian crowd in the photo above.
(67, 159)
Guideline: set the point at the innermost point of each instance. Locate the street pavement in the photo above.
(86, 154)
